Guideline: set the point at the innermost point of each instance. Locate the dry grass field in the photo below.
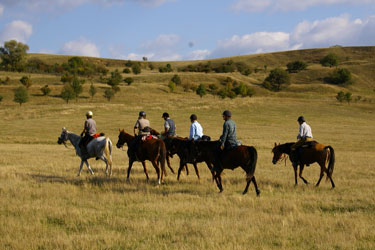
(43, 205)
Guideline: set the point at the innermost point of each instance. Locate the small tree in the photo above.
(222, 93)
(129, 80)
(92, 91)
(21, 95)
(109, 94)
(144, 59)
(330, 60)
(340, 96)
(77, 86)
(172, 86)
(296, 66)
(348, 97)
(45, 90)
(176, 79)
(136, 68)
(67, 93)
(201, 90)
(1, 98)
(126, 71)
(340, 76)
(241, 89)
(276, 79)
(66, 78)
(115, 80)
(26, 81)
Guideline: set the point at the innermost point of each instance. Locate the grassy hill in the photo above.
(43, 204)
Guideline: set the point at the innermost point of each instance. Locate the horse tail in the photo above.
(331, 163)
(108, 151)
(252, 162)
(162, 156)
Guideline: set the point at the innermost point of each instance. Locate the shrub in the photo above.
(136, 68)
(1, 98)
(126, 71)
(12, 55)
(128, 63)
(176, 79)
(348, 97)
(201, 90)
(109, 94)
(92, 91)
(129, 80)
(340, 76)
(26, 81)
(246, 72)
(172, 86)
(167, 68)
(21, 95)
(115, 79)
(77, 86)
(222, 93)
(276, 79)
(151, 66)
(250, 92)
(340, 96)
(241, 89)
(66, 78)
(296, 66)
(330, 60)
(45, 90)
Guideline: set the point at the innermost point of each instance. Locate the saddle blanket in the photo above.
(148, 137)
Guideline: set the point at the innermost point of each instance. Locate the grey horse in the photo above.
(100, 147)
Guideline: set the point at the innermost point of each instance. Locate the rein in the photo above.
(283, 157)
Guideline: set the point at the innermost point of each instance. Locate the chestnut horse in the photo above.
(153, 150)
(180, 146)
(240, 156)
(315, 153)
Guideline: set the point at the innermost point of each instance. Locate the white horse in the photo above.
(100, 147)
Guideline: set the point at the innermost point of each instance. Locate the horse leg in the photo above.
(106, 164)
(180, 169)
(301, 166)
(169, 164)
(218, 180)
(196, 170)
(129, 168)
(187, 170)
(256, 186)
(156, 166)
(295, 166)
(145, 169)
(88, 166)
(209, 168)
(80, 169)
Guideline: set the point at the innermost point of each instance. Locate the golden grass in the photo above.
(43, 205)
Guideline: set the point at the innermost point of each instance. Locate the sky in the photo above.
(169, 30)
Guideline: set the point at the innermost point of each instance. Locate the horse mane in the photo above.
(285, 148)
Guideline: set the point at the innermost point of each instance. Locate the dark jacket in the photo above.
(172, 127)
(229, 137)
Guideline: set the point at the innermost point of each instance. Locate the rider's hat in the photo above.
(165, 114)
(89, 113)
(193, 117)
(142, 113)
(301, 119)
(227, 113)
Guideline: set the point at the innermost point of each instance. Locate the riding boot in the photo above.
(294, 157)
(84, 153)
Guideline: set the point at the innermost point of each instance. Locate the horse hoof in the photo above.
(244, 192)
(258, 192)
(221, 191)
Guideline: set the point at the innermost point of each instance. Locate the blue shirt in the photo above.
(196, 131)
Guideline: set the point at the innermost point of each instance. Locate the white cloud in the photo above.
(321, 33)
(252, 43)
(1, 9)
(198, 54)
(163, 48)
(287, 5)
(80, 47)
(16, 30)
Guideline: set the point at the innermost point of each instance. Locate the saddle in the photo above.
(309, 144)
(148, 137)
(98, 135)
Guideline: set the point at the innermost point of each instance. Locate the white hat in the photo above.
(89, 113)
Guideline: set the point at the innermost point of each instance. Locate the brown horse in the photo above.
(240, 156)
(180, 146)
(315, 153)
(153, 150)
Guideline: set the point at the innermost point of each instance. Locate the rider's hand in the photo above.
(81, 134)
(222, 147)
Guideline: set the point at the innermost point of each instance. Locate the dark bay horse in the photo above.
(315, 153)
(153, 150)
(181, 147)
(240, 156)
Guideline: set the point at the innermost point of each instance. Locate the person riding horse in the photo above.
(304, 135)
(228, 139)
(196, 130)
(89, 130)
(143, 126)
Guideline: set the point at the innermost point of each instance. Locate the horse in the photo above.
(153, 150)
(315, 153)
(240, 156)
(100, 147)
(180, 146)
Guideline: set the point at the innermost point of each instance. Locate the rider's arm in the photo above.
(166, 127)
(192, 132)
(224, 136)
(300, 132)
(84, 129)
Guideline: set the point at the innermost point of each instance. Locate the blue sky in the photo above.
(184, 29)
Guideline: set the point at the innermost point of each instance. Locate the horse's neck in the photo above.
(74, 139)
(128, 138)
(286, 149)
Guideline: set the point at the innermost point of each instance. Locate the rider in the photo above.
(228, 139)
(169, 126)
(304, 135)
(196, 130)
(89, 130)
(141, 124)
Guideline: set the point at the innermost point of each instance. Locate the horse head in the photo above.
(63, 137)
(277, 153)
(123, 138)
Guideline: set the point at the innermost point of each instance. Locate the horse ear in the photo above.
(275, 144)
(119, 130)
